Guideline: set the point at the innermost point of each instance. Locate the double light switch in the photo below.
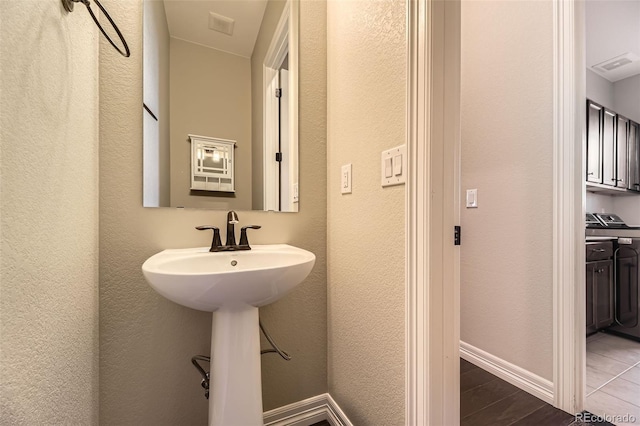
(394, 166)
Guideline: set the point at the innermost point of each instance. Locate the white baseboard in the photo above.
(517, 376)
(308, 412)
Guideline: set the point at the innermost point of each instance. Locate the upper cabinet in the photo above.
(594, 142)
(634, 156)
(621, 143)
(612, 151)
(609, 163)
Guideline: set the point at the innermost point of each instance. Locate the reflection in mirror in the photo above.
(223, 73)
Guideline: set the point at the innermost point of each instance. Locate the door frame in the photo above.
(432, 310)
(285, 42)
(433, 207)
(569, 119)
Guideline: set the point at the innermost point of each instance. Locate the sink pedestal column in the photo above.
(236, 384)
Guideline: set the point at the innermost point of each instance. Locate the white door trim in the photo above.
(568, 206)
(432, 210)
(285, 42)
(431, 313)
(517, 376)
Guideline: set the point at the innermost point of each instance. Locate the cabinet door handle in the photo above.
(599, 271)
(590, 174)
(598, 250)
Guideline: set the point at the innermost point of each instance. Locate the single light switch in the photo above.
(472, 198)
(296, 197)
(397, 165)
(345, 186)
(388, 169)
(393, 166)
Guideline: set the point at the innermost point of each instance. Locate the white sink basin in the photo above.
(207, 281)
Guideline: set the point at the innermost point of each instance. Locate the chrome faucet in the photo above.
(230, 243)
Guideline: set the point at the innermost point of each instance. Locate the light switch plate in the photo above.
(398, 173)
(345, 179)
(296, 197)
(472, 198)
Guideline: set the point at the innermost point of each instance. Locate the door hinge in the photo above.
(456, 235)
(278, 156)
(278, 93)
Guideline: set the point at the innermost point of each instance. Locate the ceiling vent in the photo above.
(618, 68)
(617, 62)
(220, 23)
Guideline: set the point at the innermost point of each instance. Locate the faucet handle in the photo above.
(216, 242)
(244, 241)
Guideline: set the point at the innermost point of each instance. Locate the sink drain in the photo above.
(234, 262)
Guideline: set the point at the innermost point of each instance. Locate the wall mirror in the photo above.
(220, 104)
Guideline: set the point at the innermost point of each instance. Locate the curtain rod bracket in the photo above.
(68, 5)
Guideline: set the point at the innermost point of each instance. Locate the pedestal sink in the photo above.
(232, 285)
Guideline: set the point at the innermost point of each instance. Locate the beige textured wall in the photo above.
(366, 86)
(269, 23)
(506, 263)
(49, 215)
(210, 96)
(146, 341)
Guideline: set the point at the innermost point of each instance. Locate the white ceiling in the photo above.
(613, 29)
(189, 20)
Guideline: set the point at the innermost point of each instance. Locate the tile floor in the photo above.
(613, 377)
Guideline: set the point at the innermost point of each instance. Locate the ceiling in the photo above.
(189, 20)
(613, 29)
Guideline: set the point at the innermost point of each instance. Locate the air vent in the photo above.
(617, 62)
(220, 23)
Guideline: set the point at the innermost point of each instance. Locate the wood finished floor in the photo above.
(488, 400)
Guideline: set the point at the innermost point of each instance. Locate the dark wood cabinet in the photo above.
(591, 313)
(603, 294)
(609, 176)
(622, 154)
(599, 295)
(613, 152)
(599, 286)
(627, 285)
(634, 156)
(594, 142)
